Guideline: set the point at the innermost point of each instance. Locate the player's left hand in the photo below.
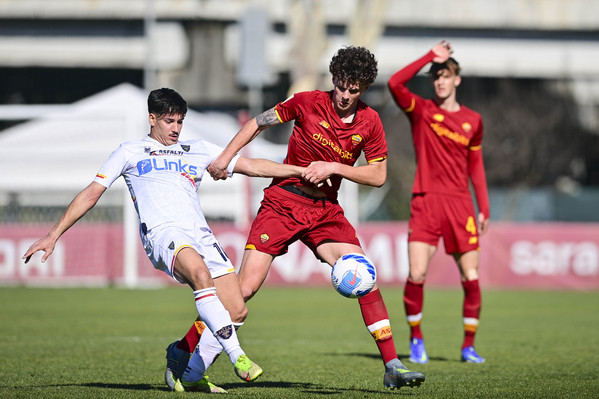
(319, 172)
(483, 224)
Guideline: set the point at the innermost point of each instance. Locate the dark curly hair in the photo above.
(354, 65)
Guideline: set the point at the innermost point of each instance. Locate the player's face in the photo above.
(345, 97)
(445, 83)
(166, 128)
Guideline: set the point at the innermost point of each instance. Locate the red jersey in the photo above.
(320, 135)
(447, 144)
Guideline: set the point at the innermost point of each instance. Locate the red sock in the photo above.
(413, 300)
(471, 310)
(376, 318)
(190, 340)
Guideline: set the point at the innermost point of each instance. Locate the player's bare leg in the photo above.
(253, 271)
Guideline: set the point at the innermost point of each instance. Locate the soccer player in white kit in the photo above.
(163, 175)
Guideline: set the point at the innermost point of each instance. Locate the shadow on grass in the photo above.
(403, 357)
(133, 387)
(104, 385)
(305, 387)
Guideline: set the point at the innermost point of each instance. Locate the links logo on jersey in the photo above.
(225, 332)
(171, 246)
(438, 117)
(185, 147)
(263, 238)
(147, 165)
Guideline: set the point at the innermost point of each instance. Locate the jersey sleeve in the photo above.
(292, 107)
(376, 147)
(112, 168)
(476, 170)
(405, 99)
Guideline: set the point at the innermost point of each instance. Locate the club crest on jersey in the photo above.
(438, 117)
(466, 126)
(171, 245)
(225, 332)
(264, 238)
(324, 124)
(356, 139)
(185, 147)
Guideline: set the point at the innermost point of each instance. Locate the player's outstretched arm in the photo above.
(82, 203)
(372, 174)
(256, 167)
(218, 167)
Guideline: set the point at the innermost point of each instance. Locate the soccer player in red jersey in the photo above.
(447, 140)
(331, 129)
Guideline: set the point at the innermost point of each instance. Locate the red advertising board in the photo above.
(513, 255)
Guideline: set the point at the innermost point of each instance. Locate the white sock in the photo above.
(195, 368)
(217, 319)
(210, 348)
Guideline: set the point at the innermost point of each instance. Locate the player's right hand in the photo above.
(319, 172)
(44, 244)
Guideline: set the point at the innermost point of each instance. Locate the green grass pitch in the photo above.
(311, 343)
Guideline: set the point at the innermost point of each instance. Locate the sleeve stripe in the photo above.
(278, 116)
(475, 148)
(412, 106)
(377, 159)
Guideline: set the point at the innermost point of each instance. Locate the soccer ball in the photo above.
(353, 275)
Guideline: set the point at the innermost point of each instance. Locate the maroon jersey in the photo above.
(447, 144)
(320, 135)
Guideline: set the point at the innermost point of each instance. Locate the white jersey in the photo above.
(163, 180)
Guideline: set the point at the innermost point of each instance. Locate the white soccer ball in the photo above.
(353, 275)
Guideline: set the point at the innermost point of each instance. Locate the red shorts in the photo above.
(441, 215)
(285, 217)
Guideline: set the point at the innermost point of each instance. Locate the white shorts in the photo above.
(164, 243)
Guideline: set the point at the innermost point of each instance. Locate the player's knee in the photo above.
(199, 278)
(247, 289)
(417, 277)
(239, 314)
(247, 293)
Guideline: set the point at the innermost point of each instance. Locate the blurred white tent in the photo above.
(61, 152)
